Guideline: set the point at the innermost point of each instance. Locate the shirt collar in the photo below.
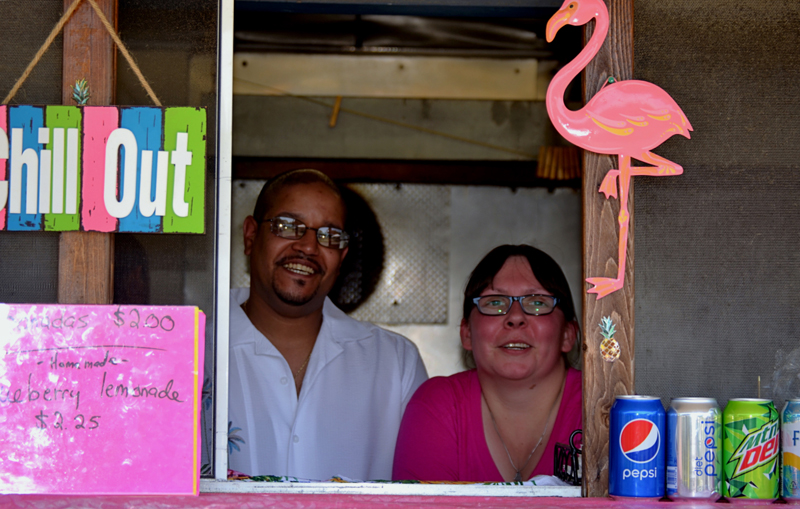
(341, 327)
(337, 328)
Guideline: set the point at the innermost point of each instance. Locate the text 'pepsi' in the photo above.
(694, 449)
(636, 459)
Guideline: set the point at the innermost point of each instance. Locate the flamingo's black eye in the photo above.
(571, 6)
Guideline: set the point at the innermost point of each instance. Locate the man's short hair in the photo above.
(275, 185)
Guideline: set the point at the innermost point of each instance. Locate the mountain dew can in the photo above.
(790, 440)
(750, 447)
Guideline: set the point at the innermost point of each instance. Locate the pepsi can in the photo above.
(636, 458)
(694, 454)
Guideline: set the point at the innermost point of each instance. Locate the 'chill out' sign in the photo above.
(102, 168)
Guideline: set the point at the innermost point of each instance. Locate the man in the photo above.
(314, 394)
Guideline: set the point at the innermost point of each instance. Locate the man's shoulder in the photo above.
(347, 329)
(374, 344)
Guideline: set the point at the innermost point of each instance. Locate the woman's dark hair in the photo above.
(544, 268)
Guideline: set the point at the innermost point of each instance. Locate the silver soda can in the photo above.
(790, 450)
(694, 449)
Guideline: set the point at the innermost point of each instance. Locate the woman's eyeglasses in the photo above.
(497, 305)
(292, 229)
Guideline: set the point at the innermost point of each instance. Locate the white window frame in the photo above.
(220, 484)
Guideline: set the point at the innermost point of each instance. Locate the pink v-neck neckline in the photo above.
(484, 447)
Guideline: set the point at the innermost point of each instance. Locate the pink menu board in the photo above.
(100, 399)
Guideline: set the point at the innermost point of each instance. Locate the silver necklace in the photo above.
(518, 477)
(296, 373)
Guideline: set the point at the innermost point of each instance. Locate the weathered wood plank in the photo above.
(86, 259)
(470, 173)
(602, 381)
(89, 53)
(387, 76)
(86, 268)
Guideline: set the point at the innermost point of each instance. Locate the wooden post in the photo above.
(602, 380)
(86, 259)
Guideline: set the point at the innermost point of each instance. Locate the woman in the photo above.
(500, 421)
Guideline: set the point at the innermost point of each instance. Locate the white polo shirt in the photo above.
(345, 421)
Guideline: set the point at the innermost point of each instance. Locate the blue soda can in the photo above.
(636, 456)
(694, 449)
(790, 450)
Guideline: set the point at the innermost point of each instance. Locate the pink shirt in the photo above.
(442, 439)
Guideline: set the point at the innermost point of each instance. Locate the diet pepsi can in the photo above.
(694, 454)
(790, 450)
(636, 466)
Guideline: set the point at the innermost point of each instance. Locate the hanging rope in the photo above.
(124, 52)
(38, 56)
(54, 33)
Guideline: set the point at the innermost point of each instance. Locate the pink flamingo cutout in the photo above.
(625, 118)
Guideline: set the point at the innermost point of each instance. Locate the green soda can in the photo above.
(750, 447)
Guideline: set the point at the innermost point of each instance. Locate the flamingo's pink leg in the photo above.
(602, 285)
(661, 167)
(609, 185)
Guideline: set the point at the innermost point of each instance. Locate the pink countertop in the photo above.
(248, 501)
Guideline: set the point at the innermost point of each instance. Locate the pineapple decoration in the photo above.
(80, 92)
(609, 348)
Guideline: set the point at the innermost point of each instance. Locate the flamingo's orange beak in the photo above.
(555, 23)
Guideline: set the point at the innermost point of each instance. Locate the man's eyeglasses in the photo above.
(497, 305)
(292, 229)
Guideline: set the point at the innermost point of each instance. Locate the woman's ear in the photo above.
(466, 335)
(569, 336)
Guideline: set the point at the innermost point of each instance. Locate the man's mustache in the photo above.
(295, 258)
